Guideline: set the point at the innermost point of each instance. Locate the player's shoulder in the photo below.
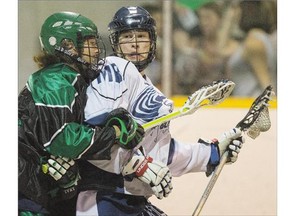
(54, 85)
(58, 70)
(122, 64)
(54, 76)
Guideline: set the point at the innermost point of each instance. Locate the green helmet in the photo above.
(65, 25)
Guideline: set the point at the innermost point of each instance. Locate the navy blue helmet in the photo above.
(133, 18)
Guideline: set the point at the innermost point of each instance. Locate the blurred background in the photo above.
(199, 41)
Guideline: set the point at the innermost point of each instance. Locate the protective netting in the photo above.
(261, 124)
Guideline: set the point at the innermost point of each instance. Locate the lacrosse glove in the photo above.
(230, 141)
(66, 174)
(128, 132)
(154, 173)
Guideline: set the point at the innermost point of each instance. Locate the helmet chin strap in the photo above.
(87, 70)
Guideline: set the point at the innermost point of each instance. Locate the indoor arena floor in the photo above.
(245, 188)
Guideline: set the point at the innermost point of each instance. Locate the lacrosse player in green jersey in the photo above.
(51, 132)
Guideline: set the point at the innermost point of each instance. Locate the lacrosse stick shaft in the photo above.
(161, 120)
(211, 184)
(167, 118)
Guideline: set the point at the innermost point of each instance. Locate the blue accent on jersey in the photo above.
(148, 104)
(171, 151)
(97, 120)
(110, 72)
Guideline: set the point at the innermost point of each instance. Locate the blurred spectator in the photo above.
(204, 57)
(184, 20)
(253, 65)
(185, 17)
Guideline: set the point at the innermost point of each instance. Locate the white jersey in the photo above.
(121, 85)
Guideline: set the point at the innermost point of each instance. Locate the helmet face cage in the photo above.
(96, 60)
(133, 19)
(64, 34)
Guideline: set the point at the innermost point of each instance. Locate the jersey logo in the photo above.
(147, 106)
(111, 73)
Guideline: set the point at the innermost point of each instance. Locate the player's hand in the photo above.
(65, 172)
(232, 142)
(154, 173)
(128, 132)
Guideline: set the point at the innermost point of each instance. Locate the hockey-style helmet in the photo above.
(75, 28)
(133, 18)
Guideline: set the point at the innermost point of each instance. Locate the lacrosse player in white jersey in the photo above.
(133, 37)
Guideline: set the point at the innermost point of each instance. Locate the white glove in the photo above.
(231, 141)
(154, 173)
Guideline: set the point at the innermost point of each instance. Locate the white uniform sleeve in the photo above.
(146, 103)
(189, 158)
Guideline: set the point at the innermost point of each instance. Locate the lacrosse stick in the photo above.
(256, 120)
(207, 95)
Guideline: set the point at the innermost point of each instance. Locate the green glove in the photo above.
(130, 133)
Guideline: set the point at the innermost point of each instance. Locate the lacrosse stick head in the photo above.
(257, 119)
(220, 91)
(211, 94)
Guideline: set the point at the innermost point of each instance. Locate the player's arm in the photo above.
(79, 141)
(204, 155)
(76, 140)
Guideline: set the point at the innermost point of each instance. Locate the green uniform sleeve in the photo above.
(71, 141)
